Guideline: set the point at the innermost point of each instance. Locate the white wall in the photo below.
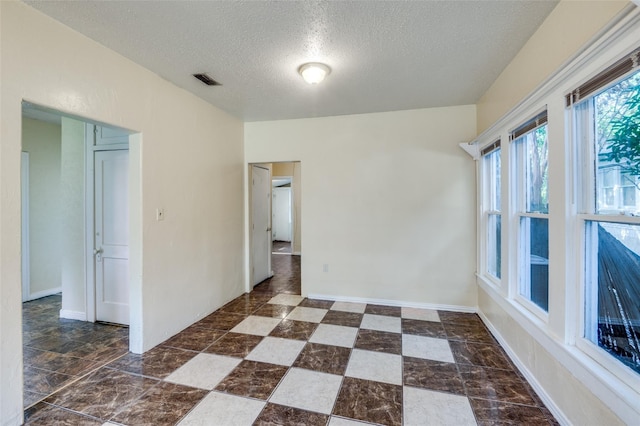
(72, 188)
(568, 27)
(42, 141)
(187, 159)
(387, 202)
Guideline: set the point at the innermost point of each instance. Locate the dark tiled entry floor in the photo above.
(283, 359)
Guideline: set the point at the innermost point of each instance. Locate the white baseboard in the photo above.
(74, 315)
(402, 304)
(44, 293)
(297, 253)
(551, 405)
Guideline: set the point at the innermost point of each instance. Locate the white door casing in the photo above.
(111, 235)
(260, 224)
(26, 262)
(282, 214)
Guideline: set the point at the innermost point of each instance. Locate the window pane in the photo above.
(533, 149)
(494, 255)
(613, 290)
(493, 169)
(617, 147)
(534, 274)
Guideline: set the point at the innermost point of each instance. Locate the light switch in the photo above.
(159, 214)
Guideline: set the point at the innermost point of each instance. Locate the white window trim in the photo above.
(621, 393)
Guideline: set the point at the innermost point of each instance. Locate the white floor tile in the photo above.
(204, 371)
(286, 299)
(349, 307)
(381, 323)
(260, 326)
(376, 366)
(307, 314)
(435, 408)
(421, 314)
(426, 348)
(275, 350)
(308, 390)
(336, 335)
(216, 407)
(338, 421)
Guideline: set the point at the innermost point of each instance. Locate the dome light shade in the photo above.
(314, 72)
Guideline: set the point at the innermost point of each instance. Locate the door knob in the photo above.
(268, 229)
(98, 254)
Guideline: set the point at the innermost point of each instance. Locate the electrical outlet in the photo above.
(325, 267)
(159, 214)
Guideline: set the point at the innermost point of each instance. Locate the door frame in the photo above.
(25, 247)
(247, 217)
(267, 166)
(90, 272)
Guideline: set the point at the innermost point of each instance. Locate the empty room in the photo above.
(319, 212)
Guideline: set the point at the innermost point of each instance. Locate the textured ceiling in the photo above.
(385, 55)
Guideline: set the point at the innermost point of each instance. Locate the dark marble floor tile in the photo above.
(103, 393)
(323, 358)
(423, 328)
(164, 404)
(100, 353)
(390, 311)
(29, 398)
(433, 375)
(348, 319)
(274, 311)
(315, 303)
(286, 278)
(241, 306)
(295, 330)
(56, 342)
(274, 414)
(552, 420)
(379, 341)
(221, 321)
(159, 362)
(484, 354)
(472, 333)
(464, 318)
(234, 344)
(374, 402)
(46, 415)
(494, 413)
(194, 338)
(253, 379)
(59, 363)
(44, 381)
(495, 384)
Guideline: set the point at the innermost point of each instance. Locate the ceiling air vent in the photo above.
(206, 79)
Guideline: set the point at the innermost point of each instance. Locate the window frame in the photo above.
(518, 195)
(585, 187)
(489, 195)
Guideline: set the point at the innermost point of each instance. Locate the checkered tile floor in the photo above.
(289, 360)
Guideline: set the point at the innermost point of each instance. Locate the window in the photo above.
(492, 216)
(608, 134)
(532, 208)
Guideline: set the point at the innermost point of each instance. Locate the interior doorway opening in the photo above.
(279, 222)
(70, 223)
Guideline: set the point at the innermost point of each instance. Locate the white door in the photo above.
(260, 224)
(281, 214)
(112, 235)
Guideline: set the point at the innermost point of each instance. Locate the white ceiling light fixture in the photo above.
(314, 72)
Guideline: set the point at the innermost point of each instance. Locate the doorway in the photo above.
(284, 213)
(61, 342)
